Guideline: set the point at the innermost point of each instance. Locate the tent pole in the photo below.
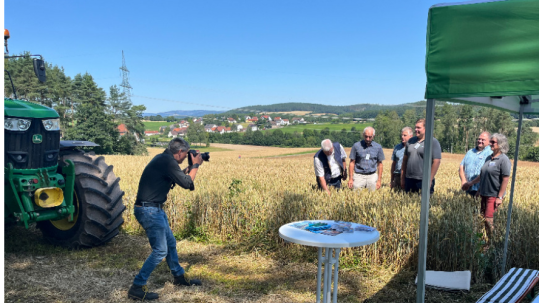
(425, 195)
(510, 208)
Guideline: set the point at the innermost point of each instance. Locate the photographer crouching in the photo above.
(159, 176)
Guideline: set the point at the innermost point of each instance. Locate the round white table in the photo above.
(331, 245)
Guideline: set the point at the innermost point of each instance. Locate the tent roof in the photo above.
(484, 49)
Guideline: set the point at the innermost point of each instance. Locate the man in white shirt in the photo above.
(330, 165)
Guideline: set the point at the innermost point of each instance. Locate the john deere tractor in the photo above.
(73, 196)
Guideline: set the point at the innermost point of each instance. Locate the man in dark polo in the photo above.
(158, 177)
(330, 165)
(365, 160)
(412, 163)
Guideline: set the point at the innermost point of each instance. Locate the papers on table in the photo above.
(332, 229)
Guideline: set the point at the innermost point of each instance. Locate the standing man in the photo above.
(412, 163)
(159, 176)
(330, 165)
(396, 157)
(365, 158)
(470, 167)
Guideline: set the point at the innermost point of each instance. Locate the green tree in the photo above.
(93, 123)
(118, 104)
(388, 128)
(196, 133)
(448, 122)
(466, 122)
(409, 118)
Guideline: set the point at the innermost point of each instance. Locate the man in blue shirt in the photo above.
(470, 167)
(396, 157)
(365, 159)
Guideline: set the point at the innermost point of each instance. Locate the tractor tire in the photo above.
(98, 204)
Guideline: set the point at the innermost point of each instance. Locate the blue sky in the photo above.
(219, 55)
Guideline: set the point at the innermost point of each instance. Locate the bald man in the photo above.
(366, 162)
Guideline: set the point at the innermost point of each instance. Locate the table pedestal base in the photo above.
(329, 261)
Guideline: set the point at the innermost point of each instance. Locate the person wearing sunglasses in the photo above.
(493, 179)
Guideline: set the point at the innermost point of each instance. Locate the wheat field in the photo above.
(243, 202)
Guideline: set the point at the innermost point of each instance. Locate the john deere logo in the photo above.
(37, 139)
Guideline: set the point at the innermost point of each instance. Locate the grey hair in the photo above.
(369, 127)
(178, 144)
(407, 129)
(326, 145)
(502, 142)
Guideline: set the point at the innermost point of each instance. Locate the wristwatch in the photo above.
(196, 165)
(501, 198)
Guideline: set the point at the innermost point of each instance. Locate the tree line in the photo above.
(85, 110)
(456, 127)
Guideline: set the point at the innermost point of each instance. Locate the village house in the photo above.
(122, 129)
(182, 132)
(183, 123)
(151, 133)
(285, 122)
(220, 129)
(231, 120)
(209, 127)
(253, 127)
(298, 120)
(265, 117)
(177, 132)
(173, 133)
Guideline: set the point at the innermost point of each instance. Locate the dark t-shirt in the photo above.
(415, 151)
(492, 174)
(158, 177)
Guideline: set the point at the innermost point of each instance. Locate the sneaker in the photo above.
(137, 292)
(180, 280)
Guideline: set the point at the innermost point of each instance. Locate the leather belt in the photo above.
(150, 204)
(366, 174)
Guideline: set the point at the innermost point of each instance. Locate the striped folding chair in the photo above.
(513, 287)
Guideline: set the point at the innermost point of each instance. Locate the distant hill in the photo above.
(357, 111)
(183, 113)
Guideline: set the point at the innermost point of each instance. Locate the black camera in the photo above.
(205, 156)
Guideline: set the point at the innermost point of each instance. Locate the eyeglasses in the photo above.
(493, 142)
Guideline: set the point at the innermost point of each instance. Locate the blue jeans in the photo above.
(414, 186)
(155, 222)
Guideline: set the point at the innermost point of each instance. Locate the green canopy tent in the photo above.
(481, 53)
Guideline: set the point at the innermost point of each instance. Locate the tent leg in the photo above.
(425, 196)
(510, 208)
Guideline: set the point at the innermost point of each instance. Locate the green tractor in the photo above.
(73, 196)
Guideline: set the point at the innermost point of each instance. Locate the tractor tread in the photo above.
(99, 206)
